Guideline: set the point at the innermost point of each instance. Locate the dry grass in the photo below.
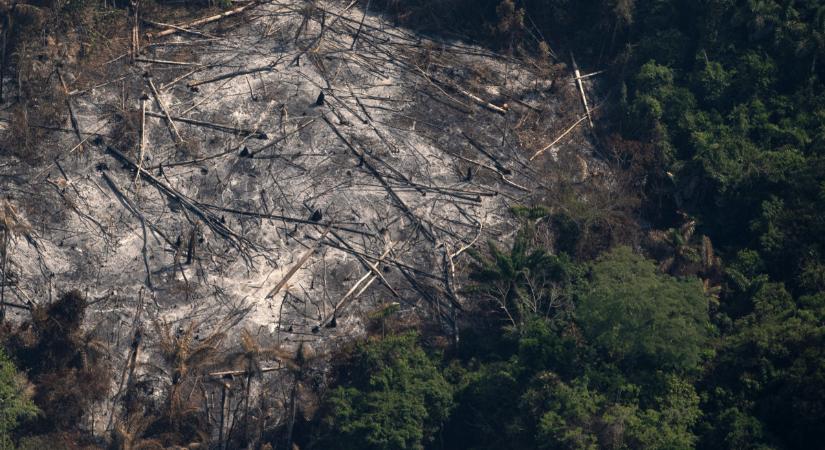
(11, 221)
(126, 129)
(77, 38)
(32, 123)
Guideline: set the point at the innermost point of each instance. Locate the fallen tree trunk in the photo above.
(174, 29)
(172, 128)
(366, 280)
(561, 136)
(296, 267)
(72, 115)
(213, 222)
(194, 84)
(214, 126)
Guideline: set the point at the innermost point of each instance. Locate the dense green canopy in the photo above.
(639, 318)
(396, 398)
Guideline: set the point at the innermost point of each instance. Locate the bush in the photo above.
(393, 397)
(15, 403)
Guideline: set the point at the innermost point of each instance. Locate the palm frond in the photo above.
(687, 229)
(11, 221)
(248, 342)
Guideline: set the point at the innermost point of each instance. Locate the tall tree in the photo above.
(641, 319)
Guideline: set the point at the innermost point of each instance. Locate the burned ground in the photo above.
(287, 170)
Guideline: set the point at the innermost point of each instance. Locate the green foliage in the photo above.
(578, 417)
(739, 113)
(530, 212)
(535, 397)
(520, 280)
(712, 82)
(612, 375)
(396, 398)
(14, 401)
(771, 372)
(639, 318)
(488, 414)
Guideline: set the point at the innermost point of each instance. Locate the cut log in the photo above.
(163, 61)
(142, 140)
(291, 272)
(173, 130)
(175, 28)
(214, 126)
(561, 136)
(194, 84)
(371, 267)
(581, 89)
(592, 74)
(243, 372)
(72, 115)
(135, 48)
(489, 155)
(180, 29)
(360, 286)
(494, 108)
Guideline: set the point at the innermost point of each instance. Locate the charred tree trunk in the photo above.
(293, 407)
(222, 417)
(6, 25)
(246, 403)
(3, 268)
(190, 253)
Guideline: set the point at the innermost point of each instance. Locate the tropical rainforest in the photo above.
(706, 330)
(714, 336)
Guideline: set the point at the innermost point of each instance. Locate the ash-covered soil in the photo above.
(318, 164)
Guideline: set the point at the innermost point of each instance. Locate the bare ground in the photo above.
(261, 207)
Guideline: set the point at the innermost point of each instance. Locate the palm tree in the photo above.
(518, 281)
(249, 359)
(683, 253)
(185, 356)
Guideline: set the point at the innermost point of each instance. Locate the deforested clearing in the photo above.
(275, 175)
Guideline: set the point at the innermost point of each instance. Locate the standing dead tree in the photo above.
(11, 224)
